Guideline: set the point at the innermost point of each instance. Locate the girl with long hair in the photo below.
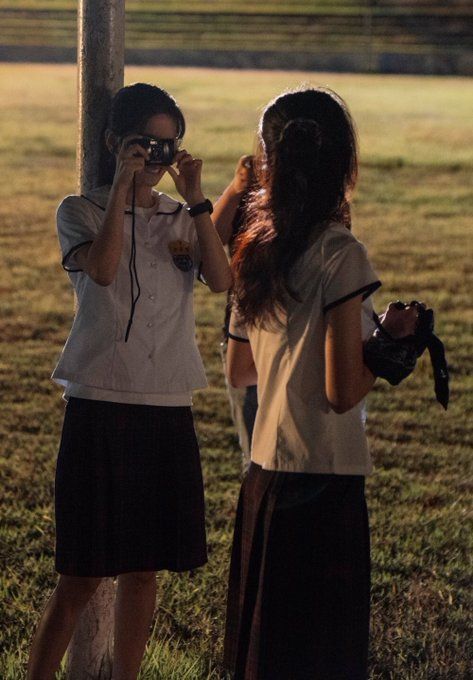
(129, 494)
(299, 585)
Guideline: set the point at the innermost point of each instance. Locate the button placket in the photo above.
(147, 241)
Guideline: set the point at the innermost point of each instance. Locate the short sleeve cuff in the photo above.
(365, 291)
(347, 272)
(68, 262)
(232, 336)
(237, 329)
(77, 226)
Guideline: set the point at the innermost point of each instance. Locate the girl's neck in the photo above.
(144, 197)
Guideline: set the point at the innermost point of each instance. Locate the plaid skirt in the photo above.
(129, 492)
(299, 585)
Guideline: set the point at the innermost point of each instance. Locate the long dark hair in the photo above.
(132, 107)
(308, 168)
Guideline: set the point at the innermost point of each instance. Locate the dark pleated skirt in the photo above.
(299, 585)
(129, 492)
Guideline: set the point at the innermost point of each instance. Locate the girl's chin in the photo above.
(151, 176)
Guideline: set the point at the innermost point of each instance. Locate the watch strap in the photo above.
(199, 208)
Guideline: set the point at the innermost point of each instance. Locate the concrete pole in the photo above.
(101, 57)
(101, 61)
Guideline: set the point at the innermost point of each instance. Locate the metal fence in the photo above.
(426, 36)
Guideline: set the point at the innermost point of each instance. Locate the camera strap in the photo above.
(440, 369)
(132, 266)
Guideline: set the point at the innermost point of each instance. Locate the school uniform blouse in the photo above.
(295, 428)
(160, 363)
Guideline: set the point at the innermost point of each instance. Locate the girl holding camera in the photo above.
(299, 585)
(129, 494)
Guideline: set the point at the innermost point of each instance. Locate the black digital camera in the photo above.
(161, 151)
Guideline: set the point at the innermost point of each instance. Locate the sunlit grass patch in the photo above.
(412, 211)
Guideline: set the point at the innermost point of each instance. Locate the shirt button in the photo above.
(150, 324)
(153, 264)
(151, 297)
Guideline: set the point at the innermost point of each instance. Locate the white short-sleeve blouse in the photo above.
(295, 428)
(161, 354)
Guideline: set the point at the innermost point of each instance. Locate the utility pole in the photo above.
(101, 64)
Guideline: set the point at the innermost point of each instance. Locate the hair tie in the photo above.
(306, 125)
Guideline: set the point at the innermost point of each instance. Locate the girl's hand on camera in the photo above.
(187, 178)
(400, 323)
(244, 174)
(130, 159)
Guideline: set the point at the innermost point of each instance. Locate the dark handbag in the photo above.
(393, 359)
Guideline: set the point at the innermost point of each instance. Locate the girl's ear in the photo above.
(112, 141)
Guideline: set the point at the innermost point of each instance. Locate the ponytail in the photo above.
(310, 155)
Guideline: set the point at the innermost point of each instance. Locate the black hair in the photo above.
(132, 107)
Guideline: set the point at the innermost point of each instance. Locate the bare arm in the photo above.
(225, 211)
(227, 205)
(347, 379)
(215, 267)
(100, 259)
(241, 369)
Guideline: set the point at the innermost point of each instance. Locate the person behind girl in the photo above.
(299, 585)
(229, 218)
(129, 494)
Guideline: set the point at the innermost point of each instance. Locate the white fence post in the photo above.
(101, 61)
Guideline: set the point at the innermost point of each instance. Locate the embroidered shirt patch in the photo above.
(180, 251)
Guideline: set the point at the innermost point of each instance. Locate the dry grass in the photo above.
(412, 212)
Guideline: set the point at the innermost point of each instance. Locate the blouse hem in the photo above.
(345, 470)
(63, 380)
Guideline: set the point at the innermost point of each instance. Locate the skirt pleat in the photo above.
(129, 491)
(299, 585)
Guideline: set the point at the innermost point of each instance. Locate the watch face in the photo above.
(205, 206)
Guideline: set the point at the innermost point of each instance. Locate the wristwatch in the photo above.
(205, 206)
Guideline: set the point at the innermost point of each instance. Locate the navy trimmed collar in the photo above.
(99, 198)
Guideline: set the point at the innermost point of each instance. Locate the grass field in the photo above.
(411, 210)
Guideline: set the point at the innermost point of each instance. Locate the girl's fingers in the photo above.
(245, 162)
(190, 164)
(172, 172)
(135, 150)
(186, 161)
(400, 322)
(180, 154)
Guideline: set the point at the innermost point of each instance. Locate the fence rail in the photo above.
(375, 35)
